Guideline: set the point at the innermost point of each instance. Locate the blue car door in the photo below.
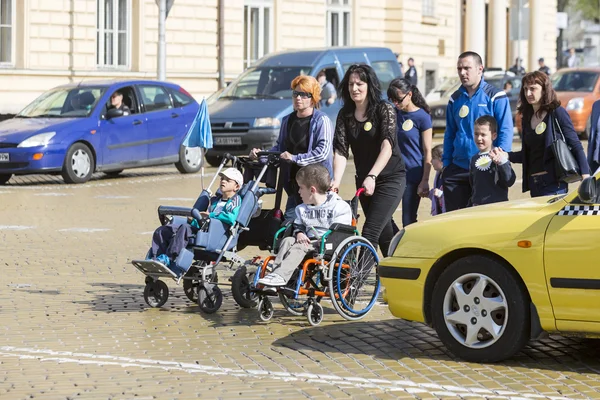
(125, 138)
(162, 123)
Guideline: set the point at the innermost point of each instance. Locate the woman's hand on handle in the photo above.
(369, 185)
(254, 154)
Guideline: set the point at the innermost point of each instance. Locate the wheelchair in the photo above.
(344, 270)
(214, 244)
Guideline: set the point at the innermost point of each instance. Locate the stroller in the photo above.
(343, 270)
(215, 243)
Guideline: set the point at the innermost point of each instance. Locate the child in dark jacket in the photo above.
(436, 194)
(490, 171)
(169, 240)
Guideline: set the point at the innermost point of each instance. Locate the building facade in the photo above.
(45, 43)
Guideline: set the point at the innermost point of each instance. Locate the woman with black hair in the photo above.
(414, 139)
(367, 125)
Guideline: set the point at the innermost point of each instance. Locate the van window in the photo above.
(265, 82)
(385, 73)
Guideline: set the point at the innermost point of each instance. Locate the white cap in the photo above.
(234, 175)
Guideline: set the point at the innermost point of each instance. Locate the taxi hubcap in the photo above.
(475, 311)
(80, 163)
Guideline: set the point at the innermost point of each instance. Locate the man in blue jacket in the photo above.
(593, 155)
(472, 100)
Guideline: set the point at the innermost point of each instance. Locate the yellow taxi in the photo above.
(490, 278)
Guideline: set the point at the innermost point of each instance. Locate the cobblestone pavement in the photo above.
(74, 323)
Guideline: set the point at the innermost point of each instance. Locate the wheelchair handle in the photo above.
(196, 214)
(359, 192)
(268, 153)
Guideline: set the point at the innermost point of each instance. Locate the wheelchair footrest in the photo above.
(154, 269)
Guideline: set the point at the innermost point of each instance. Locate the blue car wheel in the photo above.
(79, 164)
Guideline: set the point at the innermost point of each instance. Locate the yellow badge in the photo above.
(483, 163)
(464, 111)
(407, 125)
(368, 126)
(540, 128)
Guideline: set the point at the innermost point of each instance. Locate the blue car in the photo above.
(74, 130)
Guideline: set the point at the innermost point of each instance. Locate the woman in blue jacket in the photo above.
(541, 111)
(305, 137)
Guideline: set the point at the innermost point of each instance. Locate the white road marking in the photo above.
(53, 194)
(112, 197)
(15, 227)
(5, 192)
(381, 384)
(146, 233)
(176, 199)
(85, 230)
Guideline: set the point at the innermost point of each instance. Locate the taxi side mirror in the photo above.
(588, 191)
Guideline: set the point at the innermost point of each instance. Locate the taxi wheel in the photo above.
(480, 310)
(4, 178)
(190, 160)
(79, 164)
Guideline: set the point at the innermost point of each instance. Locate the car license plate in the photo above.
(4, 157)
(228, 140)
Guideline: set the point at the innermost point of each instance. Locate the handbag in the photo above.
(567, 168)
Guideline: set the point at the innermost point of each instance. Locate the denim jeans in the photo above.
(290, 207)
(545, 185)
(410, 204)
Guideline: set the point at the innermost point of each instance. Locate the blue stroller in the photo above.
(214, 244)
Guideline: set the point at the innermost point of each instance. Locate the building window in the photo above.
(113, 33)
(258, 20)
(428, 9)
(338, 22)
(6, 31)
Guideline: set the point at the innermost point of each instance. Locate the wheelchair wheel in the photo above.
(293, 306)
(156, 294)
(190, 288)
(240, 288)
(210, 298)
(354, 285)
(265, 309)
(314, 313)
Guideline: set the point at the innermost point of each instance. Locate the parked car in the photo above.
(438, 107)
(577, 89)
(72, 130)
(489, 278)
(248, 112)
(440, 90)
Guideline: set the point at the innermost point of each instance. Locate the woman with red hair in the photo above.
(544, 119)
(305, 137)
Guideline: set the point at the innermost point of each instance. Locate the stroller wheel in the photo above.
(190, 288)
(240, 288)
(210, 298)
(314, 313)
(265, 309)
(156, 294)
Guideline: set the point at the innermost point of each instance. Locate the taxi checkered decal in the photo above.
(580, 210)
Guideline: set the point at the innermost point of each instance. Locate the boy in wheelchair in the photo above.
(168, 240)
(320, 209)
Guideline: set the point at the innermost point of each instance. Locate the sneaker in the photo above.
(163, 259)
(272, 279)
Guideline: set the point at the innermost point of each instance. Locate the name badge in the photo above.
(464, 111)
(368, 126)
(407, 125)
(540, 128)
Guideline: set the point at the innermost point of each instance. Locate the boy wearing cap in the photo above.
(224, 206)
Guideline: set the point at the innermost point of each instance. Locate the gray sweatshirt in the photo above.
(314, 221)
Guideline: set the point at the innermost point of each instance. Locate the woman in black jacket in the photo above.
(542, 112)
(367, 125)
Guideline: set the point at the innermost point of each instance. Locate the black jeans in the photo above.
(379, 209)
(457, 187)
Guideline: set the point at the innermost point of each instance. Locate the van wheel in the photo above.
(4, 178)
(79, 164)
(213, 161)
(190, 160)
(480, 310)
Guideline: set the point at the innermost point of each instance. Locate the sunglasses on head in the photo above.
(303, 95)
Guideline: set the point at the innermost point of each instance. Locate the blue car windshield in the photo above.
(78, 102)
(265, 83)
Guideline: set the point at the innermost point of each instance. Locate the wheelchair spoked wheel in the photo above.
(241, 288)
(156, 293)
(210, 298)
(190, 288)
(295, 307)
(355, 284)
(314, 313)
(265, 309)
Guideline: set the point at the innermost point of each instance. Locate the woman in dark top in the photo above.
(415, 136)
(541, 111)
(367, 125)
(305, 137)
